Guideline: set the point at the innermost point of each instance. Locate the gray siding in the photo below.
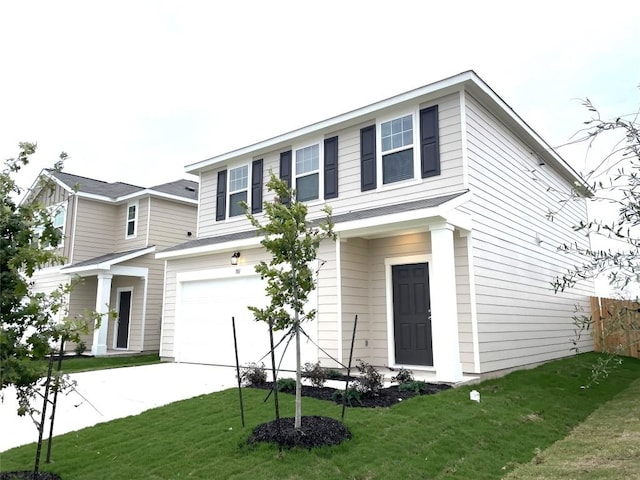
(94, 233)
(170, 222)
(350, 196)
(520, 319)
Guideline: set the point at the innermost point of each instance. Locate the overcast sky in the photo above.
(135, 90)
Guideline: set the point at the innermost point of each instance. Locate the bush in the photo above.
(315, 373)
(416, 386)
(80, 348)
(370, 381)
(403, 376)
(253, 374)
(353, 395)
(334, 374)
(287, 385)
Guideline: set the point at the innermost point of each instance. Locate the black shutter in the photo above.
(256, 186)
(429, 142)
(285, 171)
(221, 196)
(331, 167)
(368, 158)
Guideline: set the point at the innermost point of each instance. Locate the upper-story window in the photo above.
(132, 220)
(399, 148)
(238, 186)
(308, 173)
(396, 138)
(59, 216)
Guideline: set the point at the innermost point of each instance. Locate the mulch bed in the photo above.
(321, 431)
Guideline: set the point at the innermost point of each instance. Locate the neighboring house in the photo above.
(444, 251)
(111, 232)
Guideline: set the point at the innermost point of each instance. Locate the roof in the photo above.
(467, 81)
(369, 213)
(109, 259)
(119, 191)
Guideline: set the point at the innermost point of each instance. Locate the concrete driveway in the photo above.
(104, 395)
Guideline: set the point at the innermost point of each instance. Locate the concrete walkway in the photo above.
(104, 395)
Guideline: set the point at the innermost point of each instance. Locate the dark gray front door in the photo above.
(124, 315)
(411, 314)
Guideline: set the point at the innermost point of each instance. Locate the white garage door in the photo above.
(204, 325)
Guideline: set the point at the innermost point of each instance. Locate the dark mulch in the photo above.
(320, 431)
(315, 432)
(386, 397)
(28, 475)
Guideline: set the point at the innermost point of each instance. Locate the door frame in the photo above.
(117, 322)
(388, 263)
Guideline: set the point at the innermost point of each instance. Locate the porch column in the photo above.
(103, 294)
(444, 309)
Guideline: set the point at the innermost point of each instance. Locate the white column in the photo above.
(103, 294)
(444, 309)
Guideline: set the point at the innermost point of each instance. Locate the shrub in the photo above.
(334, 374)
(287, 385)
(80, 348)
(403, 376)
(353, 395)
(417, 386)
(370, 381)
(253, 374)
(315, 373)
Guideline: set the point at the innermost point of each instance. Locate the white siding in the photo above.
(520, 319)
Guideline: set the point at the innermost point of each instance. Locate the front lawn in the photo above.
(85, 363)
(439, 436)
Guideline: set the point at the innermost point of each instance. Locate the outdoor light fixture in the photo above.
(234, 258)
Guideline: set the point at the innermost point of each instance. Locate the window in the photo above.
(308, 173)
(132, 220)
(238, 186)
(59, 216)
(396, 138)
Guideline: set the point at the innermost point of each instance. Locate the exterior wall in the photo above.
(94, 233)
(119, 225)
(83, 296)
(354, 254)
(170, 222)
(56, 197)
(327, 309)
(520, 319)
(350, 198)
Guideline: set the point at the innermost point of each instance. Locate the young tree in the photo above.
(293, 244)
(615, 183)
(30, 322)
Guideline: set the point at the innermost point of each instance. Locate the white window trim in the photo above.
(294, 172)
(229, 192)
(415, 113)
(135, 220)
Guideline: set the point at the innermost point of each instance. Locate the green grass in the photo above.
(440, 436)
(605, 447)
(84, 364)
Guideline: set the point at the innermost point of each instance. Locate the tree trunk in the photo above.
(298, 418)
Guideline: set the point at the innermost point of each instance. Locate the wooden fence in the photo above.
(616, 326)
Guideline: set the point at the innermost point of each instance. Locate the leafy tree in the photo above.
(293, 244)
(31, 323)
(615, 181)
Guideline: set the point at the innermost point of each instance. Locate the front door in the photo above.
(124, 315)
(412, 314)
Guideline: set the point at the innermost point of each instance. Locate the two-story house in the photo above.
(111, 232)
(445, 253)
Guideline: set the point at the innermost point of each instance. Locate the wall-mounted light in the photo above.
(234, 258)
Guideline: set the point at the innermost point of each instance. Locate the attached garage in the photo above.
(204, 311)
